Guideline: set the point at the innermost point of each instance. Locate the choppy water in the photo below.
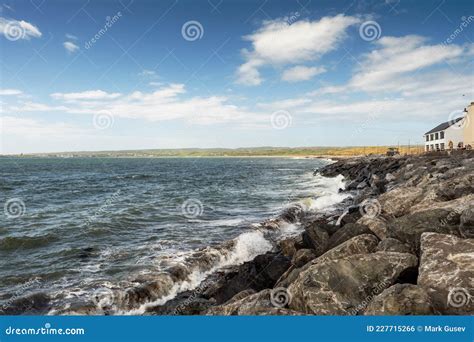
(70, 226)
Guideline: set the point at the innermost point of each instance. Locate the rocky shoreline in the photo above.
(403, 244)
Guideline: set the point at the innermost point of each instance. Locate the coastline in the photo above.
(382, 238)
(371, 243)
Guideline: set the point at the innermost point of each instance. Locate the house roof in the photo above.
(444, 125)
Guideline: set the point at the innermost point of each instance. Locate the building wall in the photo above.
(455, 134)
(469, 126)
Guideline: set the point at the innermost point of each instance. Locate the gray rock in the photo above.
(347, 232)
(362, 244)
(467, 223)
(287, 246)
(378, 225)
(315, 238)
(342, 286)
(393, 245)
(447, 272)
(260, 303)
(409, 228)
(401, 299)
(303, 256)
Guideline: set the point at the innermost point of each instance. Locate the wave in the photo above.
(11, 243)
(185, 271)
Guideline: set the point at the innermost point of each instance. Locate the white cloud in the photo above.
(85, 95)
(71, 36)
(390, 67)
(10, 92)
(70, 47)
(301, 73)
(277, 43)
(147, 73)
(18, 29)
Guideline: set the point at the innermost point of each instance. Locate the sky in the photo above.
(85, 75)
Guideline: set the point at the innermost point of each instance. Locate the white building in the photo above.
(448, 135)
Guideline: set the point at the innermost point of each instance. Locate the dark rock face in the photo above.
(467, 223)
(408, 228)
(34, 304)
(316, 238)
(347, 232)
(258, 274)
(342, 286)
(393, 245)
(288, 246)
(401, 299)
(447, 272)
(293, 213)
(303, 256)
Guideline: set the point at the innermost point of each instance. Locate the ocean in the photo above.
(72, 228)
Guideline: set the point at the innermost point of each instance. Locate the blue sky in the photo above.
(108, 75)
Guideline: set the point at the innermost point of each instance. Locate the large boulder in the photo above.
(447, 272)
(397, 202)
(458, 187)
(262, 303)
(316, 238)
(393, 245)
(401, 299)
(258, 274)
(409, 228)
(342, 286)
(378, 225)
(361, 244)
(347, 232)
(467, 222)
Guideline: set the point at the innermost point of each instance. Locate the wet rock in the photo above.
(401, 299)
(361, 244)
(316, 238)
(393, 245)
(293, 214)
(34, 304)
(287, 246)
(342, 286)
(409, 228)
(347, 232)
(303, 256)
(258, 274)
(447, 272)
(466, 227)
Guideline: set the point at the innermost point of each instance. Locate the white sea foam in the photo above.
(246, 247)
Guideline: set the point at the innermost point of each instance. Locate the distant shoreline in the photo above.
(254, 152)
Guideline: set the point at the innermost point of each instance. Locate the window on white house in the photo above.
(427, 148)
(441, 135)
(427, 137)
(432, 147)
(436, 136)
(437, 147)
(431, 137)
(442, 146)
